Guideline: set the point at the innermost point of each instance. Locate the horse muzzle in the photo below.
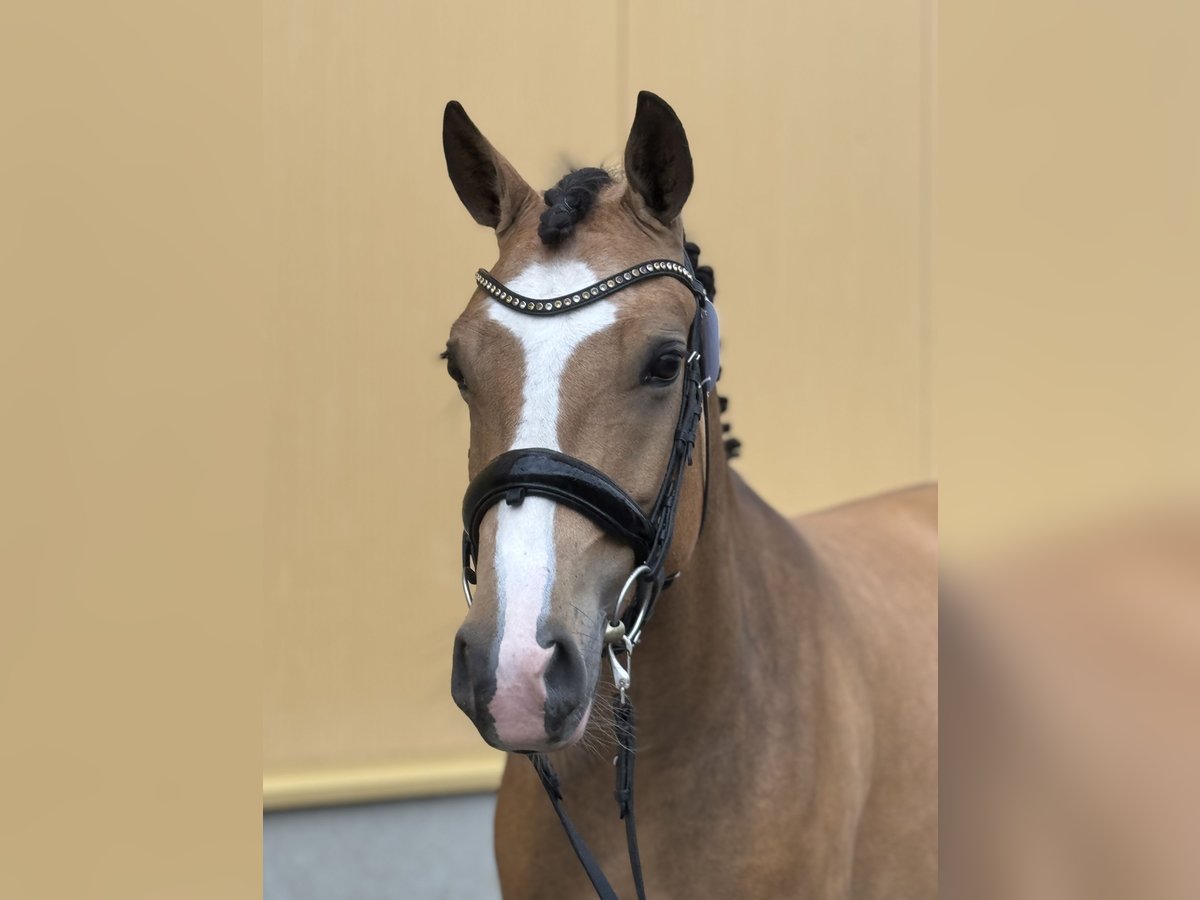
(532, 697)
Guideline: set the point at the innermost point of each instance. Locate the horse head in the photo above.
(601, 385)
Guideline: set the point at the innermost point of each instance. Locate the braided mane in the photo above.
(569, 202)
(704, 274)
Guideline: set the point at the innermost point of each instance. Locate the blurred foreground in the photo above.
(1070, 723)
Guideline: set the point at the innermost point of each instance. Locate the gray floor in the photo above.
(413, 850)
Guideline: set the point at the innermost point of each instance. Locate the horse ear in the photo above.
(658, 163)
(487, 184)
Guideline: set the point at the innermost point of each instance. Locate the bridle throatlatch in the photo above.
(538, 471)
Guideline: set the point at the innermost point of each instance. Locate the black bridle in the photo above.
(514, 475)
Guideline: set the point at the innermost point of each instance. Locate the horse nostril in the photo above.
(472, 679)
(460, 676)
(565, 681)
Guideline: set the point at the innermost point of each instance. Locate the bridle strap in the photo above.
(540, 471)
(653, 268)
(626, 750)
(595, 874)
(623, 722)
(666, 506)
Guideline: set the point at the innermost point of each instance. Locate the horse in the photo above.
(785, 679)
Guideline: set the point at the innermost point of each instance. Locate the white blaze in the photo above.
(524, 551)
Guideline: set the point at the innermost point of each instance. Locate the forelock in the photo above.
(569, 202)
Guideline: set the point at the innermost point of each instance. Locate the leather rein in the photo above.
(516, 474)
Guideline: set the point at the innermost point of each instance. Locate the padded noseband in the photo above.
(561, 478)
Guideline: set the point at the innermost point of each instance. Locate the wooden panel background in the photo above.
(1068, 264)
(808, 126)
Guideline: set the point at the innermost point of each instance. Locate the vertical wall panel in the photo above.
(373, 257)
(805, 121)
(1067, 268)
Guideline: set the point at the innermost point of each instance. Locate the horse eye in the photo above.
(664, 369)
(456, 373)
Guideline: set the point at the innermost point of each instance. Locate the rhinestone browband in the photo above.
(654, 268)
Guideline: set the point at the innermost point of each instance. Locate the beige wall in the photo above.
(1065, 218)
(808, 129)
(1067, 276)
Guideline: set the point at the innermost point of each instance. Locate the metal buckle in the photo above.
(622, 674)
(616, 627)
(466, 583)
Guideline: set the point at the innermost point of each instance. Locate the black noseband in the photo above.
(561, 478)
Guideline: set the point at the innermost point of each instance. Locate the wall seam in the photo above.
(925, 327)
(623, 74)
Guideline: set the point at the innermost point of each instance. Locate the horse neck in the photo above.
(704, 651)
(736, 609)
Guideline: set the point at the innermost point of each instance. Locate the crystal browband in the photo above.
(654, 268)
